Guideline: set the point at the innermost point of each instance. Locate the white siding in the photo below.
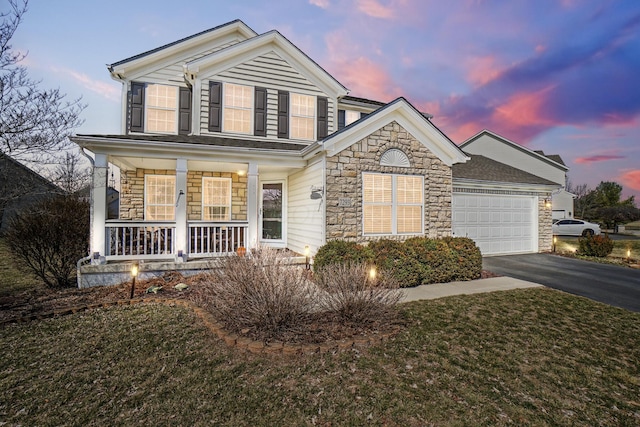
(269, 71)
(173, 72)
(305, 216)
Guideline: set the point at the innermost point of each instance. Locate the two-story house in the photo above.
(232, 139)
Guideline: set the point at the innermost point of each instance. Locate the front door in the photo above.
(272, 209)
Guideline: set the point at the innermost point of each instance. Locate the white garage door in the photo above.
(498, 224)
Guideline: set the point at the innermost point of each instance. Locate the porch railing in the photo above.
(212, 239)
(139, 240)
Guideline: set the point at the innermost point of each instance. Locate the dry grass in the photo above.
(13, 280)
(528, 357)
(568, 246)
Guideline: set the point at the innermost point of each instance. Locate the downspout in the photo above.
(81, 261)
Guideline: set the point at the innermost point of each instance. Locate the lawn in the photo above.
(12, 280)
(527, 357)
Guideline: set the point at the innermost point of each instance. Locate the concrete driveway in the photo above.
(617, 286)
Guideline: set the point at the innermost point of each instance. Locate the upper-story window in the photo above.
(157, 108)
(238, 108)
(162, 111)
(303, 116)
(244, 109)
(346, 117)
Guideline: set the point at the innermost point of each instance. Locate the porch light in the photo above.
(307, 259)
(134, 274)
(241, 172)
(547, 203)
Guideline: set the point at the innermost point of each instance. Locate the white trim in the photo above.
(272, 41)
(406, 116)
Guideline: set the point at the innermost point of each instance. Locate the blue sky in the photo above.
(561, 76)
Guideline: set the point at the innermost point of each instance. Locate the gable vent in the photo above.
(396, 158)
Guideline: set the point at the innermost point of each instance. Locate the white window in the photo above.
(216, 199)
(351, 116)
(303, 116)
(392, 204)
(238, 108)
(161, 105)
(159, 197)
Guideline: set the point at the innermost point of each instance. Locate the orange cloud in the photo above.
(524, 109)
(482, 70)
(374, 9)
(631, 179)
(598, 158)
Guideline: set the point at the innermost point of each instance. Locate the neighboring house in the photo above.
(20, 188)
(113, 200)
(236, 139)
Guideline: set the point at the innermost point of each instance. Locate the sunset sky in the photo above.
(561, 76)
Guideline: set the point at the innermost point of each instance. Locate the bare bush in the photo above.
(355, 296)
(259, 292)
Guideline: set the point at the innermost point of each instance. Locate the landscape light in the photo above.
(134, 274)
(372, 273)
(307, 263)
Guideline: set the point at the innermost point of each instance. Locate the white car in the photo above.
(575, 227)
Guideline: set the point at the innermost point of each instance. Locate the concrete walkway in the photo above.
(440, 290)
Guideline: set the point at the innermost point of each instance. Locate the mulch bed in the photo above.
(42, 300)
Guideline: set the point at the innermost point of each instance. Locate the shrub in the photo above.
(341, 252)
(355, 296)
(400, 261)
(50, 238)
(261, 293)
(598, 246)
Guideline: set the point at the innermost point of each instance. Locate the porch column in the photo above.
(181, 209)
(252, 205)
(98, 206)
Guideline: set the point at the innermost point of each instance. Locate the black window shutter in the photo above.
(136, 119)
(260, 112)
(283, 114)
(184, 113)
(341, 119)
(215, 106)
(323, 117)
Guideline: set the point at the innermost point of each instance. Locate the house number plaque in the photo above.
(344, 202)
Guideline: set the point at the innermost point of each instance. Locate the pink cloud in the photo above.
(323, 4)
(540, 48)
(374, 9)
(631, 179)
(598, 158)
(482, 70)
(524, 109)
(107, 90)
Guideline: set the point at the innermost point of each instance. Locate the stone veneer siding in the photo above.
(545, 233)
(344, 180)
(132, 194)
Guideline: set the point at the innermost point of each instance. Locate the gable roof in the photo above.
(235, 26)
(264, 43)
(481, 168)
(401, 111)
(7, 162)
(537, 154)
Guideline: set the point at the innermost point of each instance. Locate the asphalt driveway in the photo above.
(610, 284)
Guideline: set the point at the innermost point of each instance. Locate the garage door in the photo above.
(498, 224)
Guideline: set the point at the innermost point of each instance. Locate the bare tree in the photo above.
(35, 123)
(71, 175)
